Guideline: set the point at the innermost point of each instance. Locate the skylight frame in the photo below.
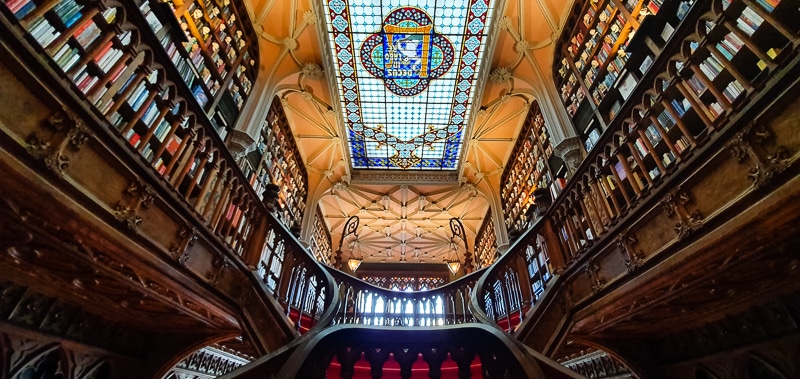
(366, 100)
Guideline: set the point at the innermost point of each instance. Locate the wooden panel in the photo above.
(611, 264)
(580, 286)
(654, 232)
(720, 182)
(99, 176)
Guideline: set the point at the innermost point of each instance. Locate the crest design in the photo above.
(407, 53)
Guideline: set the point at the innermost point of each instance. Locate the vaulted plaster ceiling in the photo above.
(297, 67)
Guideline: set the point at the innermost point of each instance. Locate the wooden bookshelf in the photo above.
(700, 65)
(321, 245)
(485, 243)
(109, 56)
(528, 169)
(591, 63)
(214, 54)
(280, 163)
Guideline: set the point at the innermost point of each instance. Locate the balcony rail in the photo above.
(366, 304)
(303, 287)
(112, 70)
(515, 282)
(676, 109)
(658, 134)
(114, 63)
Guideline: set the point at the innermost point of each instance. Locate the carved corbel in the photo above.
(571, 151)
(633, 258)
(140, 196)
(70, 132)
(675, 205)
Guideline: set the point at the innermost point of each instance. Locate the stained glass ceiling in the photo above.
(406, 75)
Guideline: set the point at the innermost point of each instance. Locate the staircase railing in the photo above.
(124, 86)
(367, 304)
(497, 355)
(517, 281)
(304, 288)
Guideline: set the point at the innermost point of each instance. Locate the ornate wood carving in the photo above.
(751, 144)
(633, 258)
(179, 250)
(207, 363)
(595, 364)
(139, 195)
(69, 132)
(26, 308)
(593, 270)
(675, 205)
(45, 254)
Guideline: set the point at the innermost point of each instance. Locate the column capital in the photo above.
(571, 151)
(239, 143)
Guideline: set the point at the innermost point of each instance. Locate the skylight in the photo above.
(406, 75)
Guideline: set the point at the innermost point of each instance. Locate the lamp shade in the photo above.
(453, 265)
(353, 263)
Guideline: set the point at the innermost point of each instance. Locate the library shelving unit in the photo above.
(485, 243)
(212, 50)
(529, 168)
(695, 66)
(591, 63)
(321, 245)
(277, 160)
(107, 54)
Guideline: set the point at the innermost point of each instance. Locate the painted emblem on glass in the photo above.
(407, 52)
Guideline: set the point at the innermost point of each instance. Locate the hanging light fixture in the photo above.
(350, 227)
(355, 255)
(452, 261)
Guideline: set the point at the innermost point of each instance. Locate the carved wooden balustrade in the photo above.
(186, 152)
(154, 219)
(664, 122)
(670, 171)
(304, 288)
(597, 365)
(517, 281)
(208, 362)
(366, 304)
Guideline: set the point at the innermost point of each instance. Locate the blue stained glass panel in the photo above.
(406, 77)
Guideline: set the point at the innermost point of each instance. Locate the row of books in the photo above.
(653, 6)
(749, 21)
(641, 148)
(682, 144)
(716, 110)
(769, 5)
(730, 45)
(696, 85)
(681, 106)
(20, 8)
(665, 120)
(733, 90)
(711, 67)
(652, 135)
